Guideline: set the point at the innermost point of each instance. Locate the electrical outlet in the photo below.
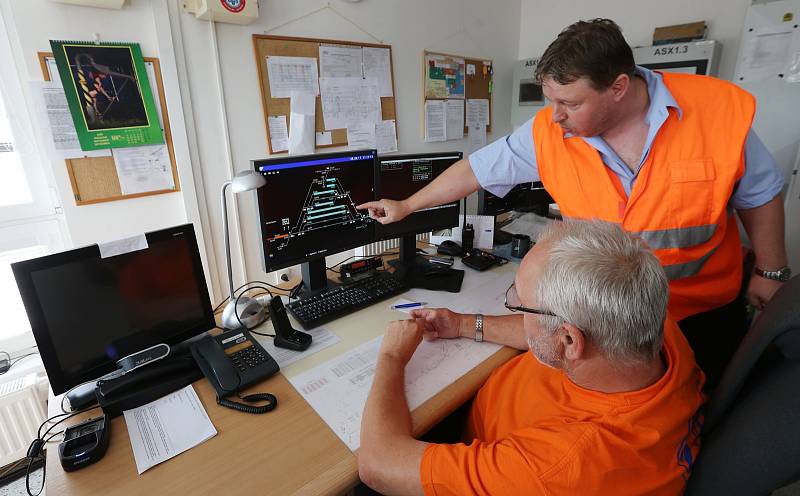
(278, 276)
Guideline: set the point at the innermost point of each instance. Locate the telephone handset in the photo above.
(285, 335)
(232, 361)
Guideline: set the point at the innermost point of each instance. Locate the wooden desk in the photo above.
(288, 451)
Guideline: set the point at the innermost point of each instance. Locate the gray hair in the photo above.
(608, 284)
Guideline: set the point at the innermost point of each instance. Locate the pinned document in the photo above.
(435, 123)
(477, 112)
(361, 135)
(347, 100)
(278, 133)
(386, 136)
(301, 122)
(143, 168)
(287, 74)
(339, 61)
(455, 119)
(477, 138)
(377, 64)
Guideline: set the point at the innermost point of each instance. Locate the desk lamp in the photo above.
(247, 311)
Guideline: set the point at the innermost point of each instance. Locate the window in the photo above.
(29, 226)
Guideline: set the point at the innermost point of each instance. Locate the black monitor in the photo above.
(525, 197)
(87, 312)
(399, 177)
(307, 210)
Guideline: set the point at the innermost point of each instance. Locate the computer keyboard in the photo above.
(334, 303)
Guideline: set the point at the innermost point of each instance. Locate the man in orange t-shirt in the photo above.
(608, 400)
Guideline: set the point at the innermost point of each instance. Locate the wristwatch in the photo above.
(783, 274)
(478, 327)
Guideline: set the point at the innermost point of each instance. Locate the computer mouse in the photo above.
(435, 271)
(449, 248)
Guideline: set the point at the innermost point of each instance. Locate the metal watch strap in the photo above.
(783, 274)
(479, 327)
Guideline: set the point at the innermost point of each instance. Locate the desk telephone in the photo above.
(232, 361)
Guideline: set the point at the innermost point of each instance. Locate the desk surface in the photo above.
(288, 451)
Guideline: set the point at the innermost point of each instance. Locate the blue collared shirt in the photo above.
(511, 160)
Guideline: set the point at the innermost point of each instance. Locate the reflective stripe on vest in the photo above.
(683, 237)
(687, 269)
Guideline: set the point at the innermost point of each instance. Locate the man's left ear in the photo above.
(620, 86)
(573, 342)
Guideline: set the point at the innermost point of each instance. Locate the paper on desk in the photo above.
(287, 74)
(337, 389)
(167, 427)
(529, 223)
(321, 339)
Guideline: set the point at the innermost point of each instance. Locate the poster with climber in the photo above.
(108, 93)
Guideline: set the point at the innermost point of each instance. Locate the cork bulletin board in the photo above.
(95, 179)
(266, 46)
(477, 81)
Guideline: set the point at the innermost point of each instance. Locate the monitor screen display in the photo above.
(400, 176)
(523, 197)
(307, 209)
(87, 312)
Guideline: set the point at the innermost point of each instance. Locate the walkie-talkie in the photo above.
(467, 232)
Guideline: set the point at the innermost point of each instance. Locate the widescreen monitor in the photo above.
(307, 209)
(87, 311)
(400, 176)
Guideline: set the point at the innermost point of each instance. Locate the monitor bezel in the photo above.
(256, 164)
(60, 381)
(414, 156)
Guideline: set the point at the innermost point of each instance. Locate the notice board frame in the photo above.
(289, 46)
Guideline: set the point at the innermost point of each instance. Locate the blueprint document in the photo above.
(338, 388)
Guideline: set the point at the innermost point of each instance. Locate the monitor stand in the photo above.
(315, 278)
(409, 261)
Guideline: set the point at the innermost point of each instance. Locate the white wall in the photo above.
(472, 28)
(541, 21)
(37, 22)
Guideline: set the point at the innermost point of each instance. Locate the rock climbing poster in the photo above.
(108, 94)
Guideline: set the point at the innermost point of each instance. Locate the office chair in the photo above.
(751, 434)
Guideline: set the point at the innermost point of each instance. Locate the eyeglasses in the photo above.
(512, 302)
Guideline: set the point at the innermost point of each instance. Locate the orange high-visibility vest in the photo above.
(679, 203)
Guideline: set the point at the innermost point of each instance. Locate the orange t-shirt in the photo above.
(539, 433)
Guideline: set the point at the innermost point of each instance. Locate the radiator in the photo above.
(21, 412)
(374, 249)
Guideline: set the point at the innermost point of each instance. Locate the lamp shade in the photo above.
(246, 181)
